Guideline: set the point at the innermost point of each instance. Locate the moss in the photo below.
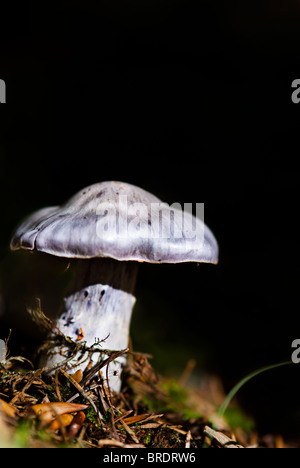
(235, 418)
(29, 432)
(175, 401)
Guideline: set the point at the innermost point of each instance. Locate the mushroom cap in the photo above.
(119, 221)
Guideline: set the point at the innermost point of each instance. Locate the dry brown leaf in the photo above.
(63, 421)
(135, 419)
(76, 425)
(153, 417)
(78, 376)
(141, 418)
(47, 411)
(7, 409)
(123, 416)
(151, 426)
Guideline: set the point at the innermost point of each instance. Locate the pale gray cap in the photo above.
(120, 221)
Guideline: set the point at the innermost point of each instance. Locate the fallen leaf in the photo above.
(135, 419)
(47, 411)
(76, 425)
(7, 409)
(150, 426)
(63, 421)
(78, 376)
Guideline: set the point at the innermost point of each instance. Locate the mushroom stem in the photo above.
(99, 307)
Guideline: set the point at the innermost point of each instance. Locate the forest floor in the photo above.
(77, 410)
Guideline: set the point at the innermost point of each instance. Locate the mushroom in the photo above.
(109, 227)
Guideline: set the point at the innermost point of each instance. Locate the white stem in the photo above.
(99, 307)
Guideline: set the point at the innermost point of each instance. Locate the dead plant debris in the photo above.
(61, 409)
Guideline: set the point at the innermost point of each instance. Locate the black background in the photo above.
(192, 103)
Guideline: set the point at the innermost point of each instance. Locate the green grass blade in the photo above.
(239, 385)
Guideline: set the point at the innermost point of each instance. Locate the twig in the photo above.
(83, 393)
(130, 432)
(57, 386)
(123, 416)
(117, 443)
(188, 440)
(220, 439)
(113, 355)
(29, 383)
